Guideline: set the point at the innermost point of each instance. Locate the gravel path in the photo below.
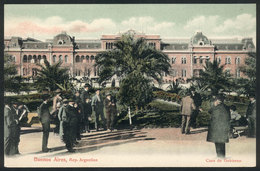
(162, 147)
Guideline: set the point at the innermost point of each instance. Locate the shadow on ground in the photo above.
(98, 140)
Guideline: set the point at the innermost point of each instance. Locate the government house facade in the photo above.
(187, 56)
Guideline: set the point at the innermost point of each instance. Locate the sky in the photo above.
(86, 21)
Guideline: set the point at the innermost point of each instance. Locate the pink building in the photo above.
(187, 56)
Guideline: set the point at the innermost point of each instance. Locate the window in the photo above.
(87, 58)
(201, 59)
(54, 58)
(183, 60)
(13, 59)
(24, 71)
(195, 59)
(25, 59)
(173, 60)
(183, 73)
(237, 73)
(174, 73)
(95, 71)
(34, 59)
(109, 45)
(34, 72)
(237, 60)
(82, 58)
(66, 58)
(228, 60)
(92, 58)
(60, 58)
(219, 59)
(29, 58)
(77, 58)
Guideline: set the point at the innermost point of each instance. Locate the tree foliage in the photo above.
(51, 76)
(135, 63)
(214, 78)
(11, 79)
(249, 69)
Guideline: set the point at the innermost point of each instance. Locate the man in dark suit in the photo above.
(251, 116)
(110, 105)
(219, 126)
(98, 110)
(44, 115)
(11, 128)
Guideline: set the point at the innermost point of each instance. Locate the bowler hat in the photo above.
(87, 85)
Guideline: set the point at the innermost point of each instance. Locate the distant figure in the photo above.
(86, 113)
(98, 110)
(219, 126)
(110, 105)
(234, 116)
(10, 129)
(62, 117)
(197, 102)
(187, 107)
(44, 115)
(251, 117)
(57, 102)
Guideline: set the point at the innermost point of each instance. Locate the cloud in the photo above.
(53, 25)
(147, 24)
(243, 22)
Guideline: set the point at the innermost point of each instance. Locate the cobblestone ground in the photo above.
(164, 147)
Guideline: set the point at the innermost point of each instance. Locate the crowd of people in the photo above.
(223, 119)
(71, 115)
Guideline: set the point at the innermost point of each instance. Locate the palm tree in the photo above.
(214, 78)
(51, 76)
(132, 59)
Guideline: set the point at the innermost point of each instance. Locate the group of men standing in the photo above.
(72, 115)
(220, 122)
(15, 116)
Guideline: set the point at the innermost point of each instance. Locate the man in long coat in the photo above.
(251, 117)
(110, 106)
(44, 115)
(86, 113)
(219, 126)
(62, 117)
(70, 125)
(10, 128)
(57, 102)
(187, 107)
(98, 109)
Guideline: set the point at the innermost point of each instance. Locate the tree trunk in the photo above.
(129, 115)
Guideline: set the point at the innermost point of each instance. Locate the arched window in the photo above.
(25, 60)
(183, 60)
(228, 60)
(29, 58)
(183, 73)
(92, 58)
(237, 60)
(89, 72)
(54, 58)
(66, 58)
(95, 71)
(219, 59)
(60, 58)
(39, 58)
(173, 60)
(201, 59)
(34, 59)
(44, 57)
(82, 58)
(77, 58)
(34, 72)
(87, 58)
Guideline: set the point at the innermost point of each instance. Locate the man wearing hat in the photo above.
(85, 93)
(70, 125)
(98, 110)
(219, 126)
(44, 115)
(187, 107)
(10, 128)
(62, 117)
(110, 106)
(251, 116)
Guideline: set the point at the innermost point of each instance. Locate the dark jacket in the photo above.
(219, 125)
(71, 114)
(44, 113)
(251, 110)
(97, 106)
(84, 94)
(110, 105)
(10, 122)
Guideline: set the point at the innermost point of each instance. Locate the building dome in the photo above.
(200, 39)
(62, 39)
